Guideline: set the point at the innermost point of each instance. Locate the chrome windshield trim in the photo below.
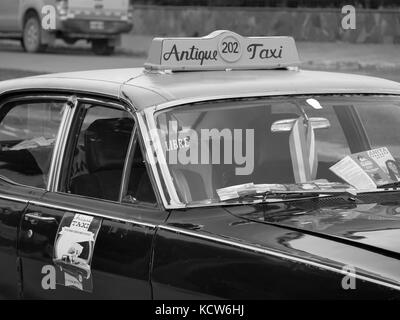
(152, 161)
(266, 251)
(150, 112)
(183, 101)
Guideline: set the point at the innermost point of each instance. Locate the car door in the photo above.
(91, 236)
(13, 201)
(9, 15)
(29, 126)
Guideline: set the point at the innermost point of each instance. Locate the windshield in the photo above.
(278, 140)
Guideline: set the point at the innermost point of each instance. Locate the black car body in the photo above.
(151, 243)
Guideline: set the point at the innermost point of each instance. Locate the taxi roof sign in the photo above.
(221, 50)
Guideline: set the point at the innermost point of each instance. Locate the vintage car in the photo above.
(219, 170)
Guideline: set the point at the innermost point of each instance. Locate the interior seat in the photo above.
(274, 162)
(190, 185)
(106, 142)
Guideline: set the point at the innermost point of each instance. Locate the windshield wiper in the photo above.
(394, 185)
(291, 195)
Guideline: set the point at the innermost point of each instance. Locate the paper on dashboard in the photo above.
(368, 169)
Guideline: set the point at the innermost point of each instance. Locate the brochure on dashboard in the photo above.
(368, 169)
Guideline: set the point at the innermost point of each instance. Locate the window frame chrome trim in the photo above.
(154, 185)
(128, 162)
(19, 96)
(45, 204)
(79, 99)
(12, 198)
(72, 102)
(62, 136)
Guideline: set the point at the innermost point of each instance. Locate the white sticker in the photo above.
(73, 250)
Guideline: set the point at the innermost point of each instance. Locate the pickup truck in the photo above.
(99, 22)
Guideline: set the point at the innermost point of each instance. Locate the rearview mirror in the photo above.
(287, 124)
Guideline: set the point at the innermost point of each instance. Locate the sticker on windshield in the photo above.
(73, 250)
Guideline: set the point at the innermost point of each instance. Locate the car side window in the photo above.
(139, 187)
(98, 153)
(28, 131)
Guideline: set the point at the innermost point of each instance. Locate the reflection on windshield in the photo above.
(285, 140)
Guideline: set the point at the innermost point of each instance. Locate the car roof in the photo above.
(146, 88)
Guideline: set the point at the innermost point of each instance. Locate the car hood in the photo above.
(373, 225)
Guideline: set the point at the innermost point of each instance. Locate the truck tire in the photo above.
(31, 37)
(70, 41)
(102, 47)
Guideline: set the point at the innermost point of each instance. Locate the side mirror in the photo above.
(287, 124)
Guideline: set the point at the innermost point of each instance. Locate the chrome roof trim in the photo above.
(277, 254)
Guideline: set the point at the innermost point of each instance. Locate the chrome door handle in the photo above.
(38, 216)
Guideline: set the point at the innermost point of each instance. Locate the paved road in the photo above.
(62, 59)
(377, 60)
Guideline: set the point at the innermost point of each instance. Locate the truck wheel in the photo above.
(31, 37)
(101, 47)
(70, 41)
(22, 44)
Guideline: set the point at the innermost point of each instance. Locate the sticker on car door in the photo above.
(73, 250)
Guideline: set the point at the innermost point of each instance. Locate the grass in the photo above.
(6, 74)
